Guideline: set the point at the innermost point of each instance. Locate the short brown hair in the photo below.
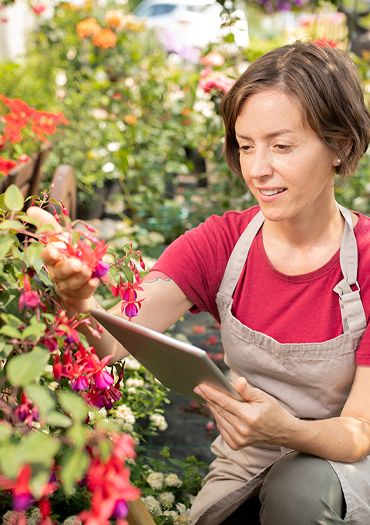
(325, 82)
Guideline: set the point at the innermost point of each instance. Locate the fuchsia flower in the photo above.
(86, 372)
(89, 255)
(29, 298)
(109, 483)
(20, 488)
(127, 291)
(26, 411)
(103, 380)
(100, 269)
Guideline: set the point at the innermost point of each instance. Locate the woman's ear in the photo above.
(347, 147)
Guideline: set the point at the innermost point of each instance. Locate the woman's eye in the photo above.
(245, 148)
(282, 147)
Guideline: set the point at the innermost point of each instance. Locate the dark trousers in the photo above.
(298, 490)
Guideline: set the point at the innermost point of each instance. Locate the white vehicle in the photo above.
(192, 23)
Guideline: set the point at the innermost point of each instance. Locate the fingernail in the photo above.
(75, 265)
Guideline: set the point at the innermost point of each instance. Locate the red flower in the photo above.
(20, 488)
(28, 298)
(211, 80)
(127, 291)
(6, 165)
(45, 123)
(26, 411)
(89, 255)
(109, 483)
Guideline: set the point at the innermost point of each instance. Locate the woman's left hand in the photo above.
(257, 418)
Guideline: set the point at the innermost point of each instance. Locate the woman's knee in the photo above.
(301, 489)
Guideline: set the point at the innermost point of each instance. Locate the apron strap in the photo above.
(238, 256)
(352, 310)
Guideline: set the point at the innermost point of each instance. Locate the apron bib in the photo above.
(297, 376)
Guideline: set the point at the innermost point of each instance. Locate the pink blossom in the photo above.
(29, 300)
(211, 80)
(100, 269)
(103, 379)
(38, 9)
(80, 383)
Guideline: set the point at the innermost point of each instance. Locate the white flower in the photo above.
(113, 146)
(124, 412)
(158, 421)
(72, 520)
(181, 508)
(170, 513)
(131, 363)
(152, 505)
(131, 381)
(103, 412)
(127, 427)
(172, 480)
(155, 480)
(108, 167)
(34, 516)
(167, 499)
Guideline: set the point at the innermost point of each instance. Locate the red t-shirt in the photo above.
(291, 309)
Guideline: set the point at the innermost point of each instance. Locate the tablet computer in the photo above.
(177, 365)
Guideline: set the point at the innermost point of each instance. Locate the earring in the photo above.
(337, 161)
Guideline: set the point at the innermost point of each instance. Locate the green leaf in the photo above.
(34, 331)
(32, 256)
(40, 395)
(5, 349)
(11, 319)
(6, 243)
(11, 225)
(13, 198)
(38, 448)
(56, 419)
(78, 434)
(27, 368)
(5, 430)
(40, 477)
(74, 405)
(10, 462)
(74, 466)
(10, 331)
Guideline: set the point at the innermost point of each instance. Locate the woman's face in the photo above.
(284, 163)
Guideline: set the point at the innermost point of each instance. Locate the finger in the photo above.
(51, 255)
(239, 435)
(85, 292)
(217, 397)
(72, 267)
(43, 217)
(72, 284)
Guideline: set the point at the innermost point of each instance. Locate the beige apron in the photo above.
(311, 380)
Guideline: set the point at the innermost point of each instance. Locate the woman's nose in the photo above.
(260, 165)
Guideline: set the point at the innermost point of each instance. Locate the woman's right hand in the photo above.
(71, 277)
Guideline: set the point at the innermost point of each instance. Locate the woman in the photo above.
(289, 281)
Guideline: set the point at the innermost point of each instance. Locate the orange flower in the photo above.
(130, 119)
(104, 38)
(114, 18)
(87, 27)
